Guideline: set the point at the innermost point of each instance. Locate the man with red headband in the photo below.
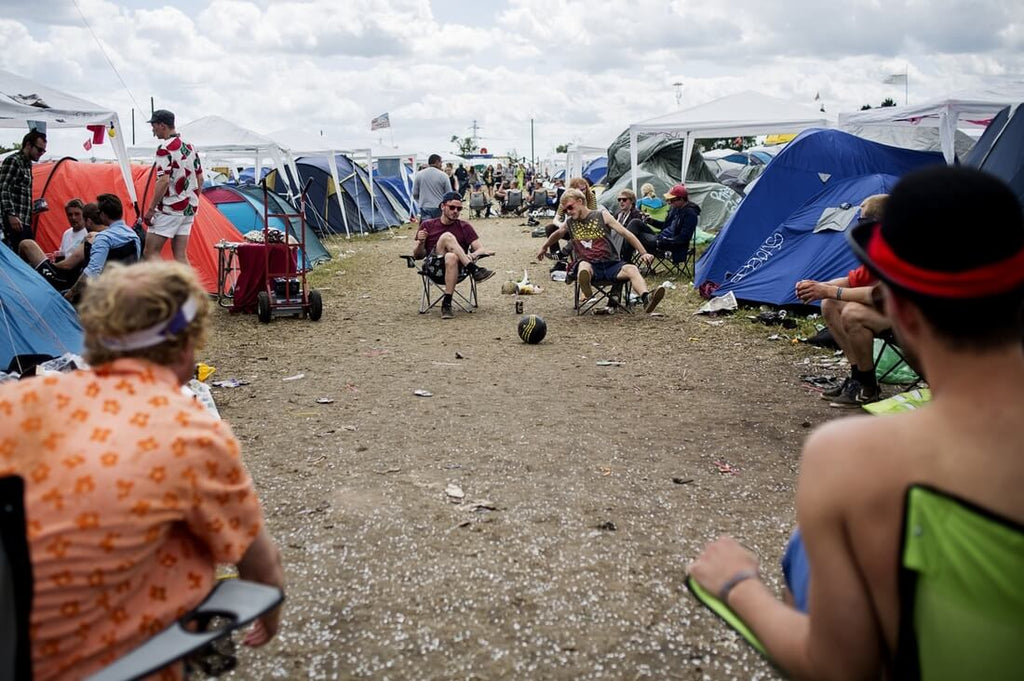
(958, 310)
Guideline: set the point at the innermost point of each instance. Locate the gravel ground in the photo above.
(585, 489)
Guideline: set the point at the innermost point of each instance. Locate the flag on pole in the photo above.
(896, 79)
(379, 122)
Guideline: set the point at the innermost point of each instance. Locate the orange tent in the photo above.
(63, 180)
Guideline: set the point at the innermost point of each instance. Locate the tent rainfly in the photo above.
(739, 115)
(23, 100)
(966, 109)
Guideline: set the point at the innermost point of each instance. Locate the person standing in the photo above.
(179, 181)
(429, 185)
(16, 189)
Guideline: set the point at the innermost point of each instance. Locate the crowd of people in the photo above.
(126, 525)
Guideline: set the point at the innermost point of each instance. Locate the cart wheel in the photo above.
(316, 306)
(263, 306)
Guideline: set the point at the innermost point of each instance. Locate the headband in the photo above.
(978, 282)
(156, 334)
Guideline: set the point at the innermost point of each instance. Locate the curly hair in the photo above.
(647, 189)
(128, 299)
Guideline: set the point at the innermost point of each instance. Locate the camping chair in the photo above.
(513, 203)
(615, 293)
(433, 289)
(236, 601)
(961, 597)
(891, 365)
(478, 202)
(677, 262)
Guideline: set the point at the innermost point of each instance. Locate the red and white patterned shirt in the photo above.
(178, 161)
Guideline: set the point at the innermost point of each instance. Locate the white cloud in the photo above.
(582, 71)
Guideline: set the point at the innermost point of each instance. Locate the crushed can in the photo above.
(519, 307)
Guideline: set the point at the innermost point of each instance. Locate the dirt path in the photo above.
(565, 559)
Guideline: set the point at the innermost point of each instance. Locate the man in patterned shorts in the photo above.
(133, 492)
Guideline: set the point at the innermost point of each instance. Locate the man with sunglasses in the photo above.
(630, 217)
(451, 248)
(16, 189)
(958, 310)
(853, 319)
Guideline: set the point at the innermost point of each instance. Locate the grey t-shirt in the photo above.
(429, 186)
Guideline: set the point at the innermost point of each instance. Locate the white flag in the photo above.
(896, 79)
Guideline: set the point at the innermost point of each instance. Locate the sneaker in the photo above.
(835, 392)
(856, 395)
(584, 278)
(482, 274)
(655, 298)
(446, 312)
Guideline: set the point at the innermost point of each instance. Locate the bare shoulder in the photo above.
(849, 452)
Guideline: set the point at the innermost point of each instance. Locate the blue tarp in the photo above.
(34, 318)
(1000, 150)
(815, 161)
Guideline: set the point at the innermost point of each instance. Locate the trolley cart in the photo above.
(285, 290)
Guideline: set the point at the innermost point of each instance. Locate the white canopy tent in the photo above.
(968, 110)
(23, 100)
(218, 140)
(739, 115)
(575, 154)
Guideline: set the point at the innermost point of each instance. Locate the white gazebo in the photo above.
(739, 115)
(23, 101)
(969, 110)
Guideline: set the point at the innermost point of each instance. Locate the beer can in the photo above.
(519, 307)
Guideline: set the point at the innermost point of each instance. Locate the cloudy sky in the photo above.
(582, 71)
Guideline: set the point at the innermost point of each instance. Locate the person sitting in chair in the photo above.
(958, 310)
(630, 217)
(133, 492)
(596, 259)
(451, 248)
(853, 320)
(479, 202)
(116, 241)
(63, 267)
(677, 229)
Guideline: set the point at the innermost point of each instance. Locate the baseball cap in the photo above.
(920, 246)
(162, 116)
(677, 192)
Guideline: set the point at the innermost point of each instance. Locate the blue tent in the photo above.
(1000, 150)
(394, 177)
(362, 214)
(813, 162)
(596, 170)
(243, 206)
(809, 244)
(34, 318)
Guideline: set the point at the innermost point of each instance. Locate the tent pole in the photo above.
(332, 165)
(632, 156)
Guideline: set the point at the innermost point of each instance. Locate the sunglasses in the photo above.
(623, 198)
(41, 150)
(454, 208)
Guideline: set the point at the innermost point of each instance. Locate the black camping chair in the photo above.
(236, 601)
(616, 294)
(677, 261)
(432, 292)
(513, 203)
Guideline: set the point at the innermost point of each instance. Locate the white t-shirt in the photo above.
(70, 240)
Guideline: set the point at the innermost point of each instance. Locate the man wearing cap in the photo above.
(429, 185)
(179, 181)
(958, 310)
(451, 248)
(677, 229)
(849, 312)
(16, 189)
(133, 491)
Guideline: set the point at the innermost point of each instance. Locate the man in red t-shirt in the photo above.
(854, 321)
(451, 248)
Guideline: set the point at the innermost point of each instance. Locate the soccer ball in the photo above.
(532, 329)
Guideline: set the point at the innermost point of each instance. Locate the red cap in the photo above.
(677, 192)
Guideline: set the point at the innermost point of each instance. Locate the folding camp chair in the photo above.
(888, 374)
(513, 203)
(615, 293)
(961, 596)
(433, 289)
(479, 203)
(236, 601)
(677, 262)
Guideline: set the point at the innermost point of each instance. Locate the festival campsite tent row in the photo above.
(61, 181)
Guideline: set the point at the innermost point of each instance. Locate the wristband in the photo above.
(839, 292)
(730, 584)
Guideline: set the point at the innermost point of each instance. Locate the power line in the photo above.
(106, 56)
